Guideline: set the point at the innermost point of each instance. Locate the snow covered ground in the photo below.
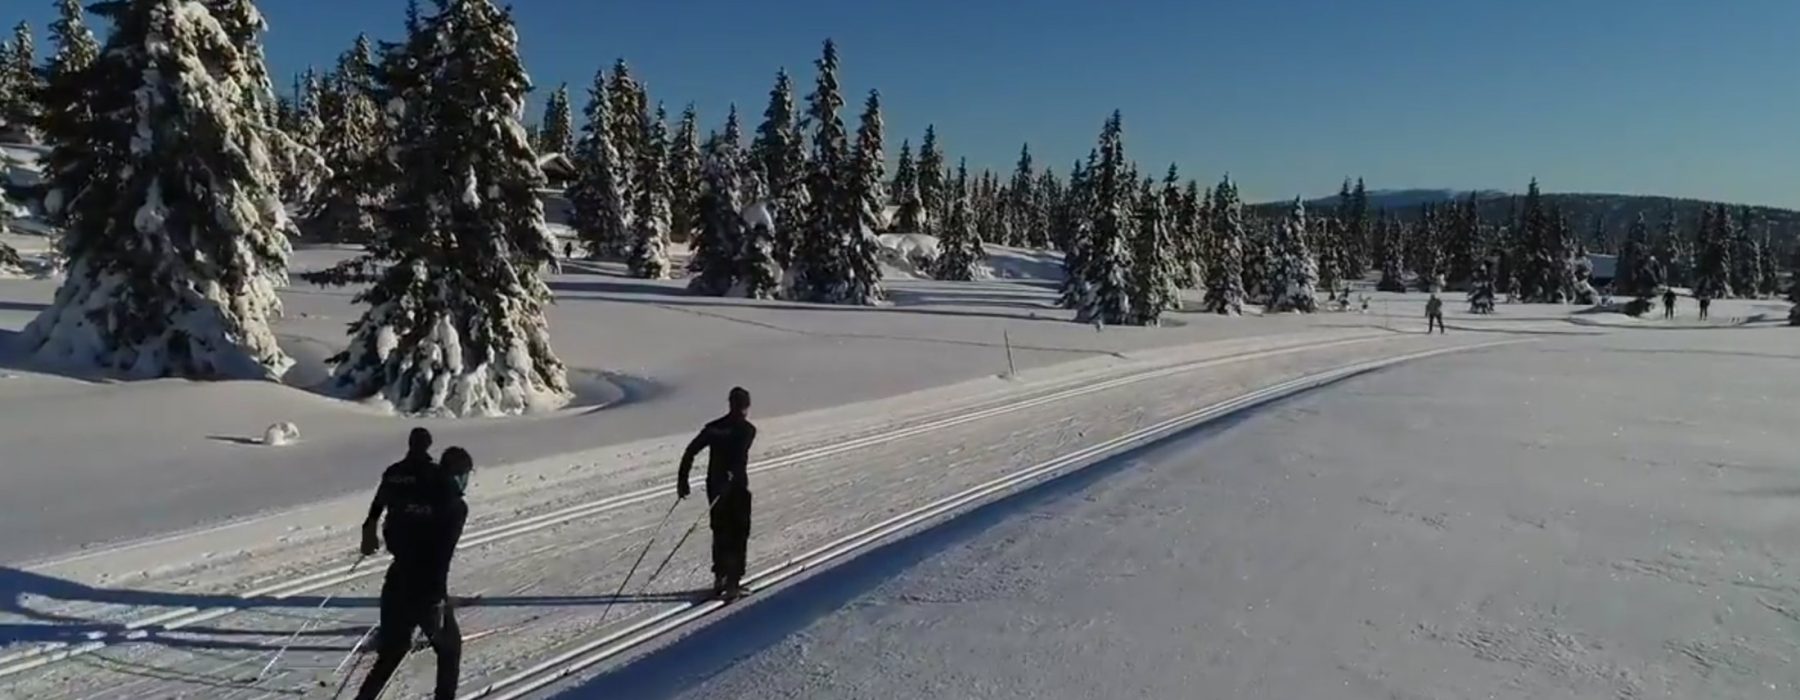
(1587, 517)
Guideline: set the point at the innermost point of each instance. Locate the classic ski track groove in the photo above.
(574, 661)
(54, 652)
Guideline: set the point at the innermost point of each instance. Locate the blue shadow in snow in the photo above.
(764, 619)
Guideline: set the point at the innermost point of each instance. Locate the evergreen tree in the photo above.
(174, 233)
(960, 252)
(1294, 275)
(1672, 253)
(685, 180)
(780, 158)
(1024, 210)
(455, 323)
(1257, 238)
(10, 262)
(1074, 221)
(715, 264)
(1582, 271)
(1392, 252)
(649, 256)
(1635, 274)
(1429, 239)
(1107, 266)
(352, 142)
(823, 270)
(1769, 279)
(600, 211)
(1190, 232)
(67, 94)
(1353, 227)
(759, 277)
(1793, 289)
(1712, 274)
(1481, 289)
(557, 135)
(1048, 195)
(864, 194)
(1746, 254)
(20, 86)
(1542, 262)
(932, 185)
(909, 212)
(299, 166)
(1153, 287)
(1225, 274)
(628, 126)
(1463, 249)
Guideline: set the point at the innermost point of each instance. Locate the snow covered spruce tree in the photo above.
(1770, 277)
(1153, 289)
(649, 256)
(1428, 238)
(825, 268)
(864, 194)
(1746, 255)
(628, 123)
(1481, 289)
(1636, 275)
(759, 276)
(455, 324)
(10, 262)
(1793, 289)
(557, 135)
(1074, 223)
(779, 156)
(1712, 273)
(685, 177)
(1393, 246)
(1225, 274)
(600, 211)
(1023, 207)
(960, 252)
(903, 193)
(21, 89)
(933, 190)
(714, 264)
(353, 144)
(65, 95)
(1107, 266)
(1294, 276)
(1463, 248)
(174, 233)
(1190, 233)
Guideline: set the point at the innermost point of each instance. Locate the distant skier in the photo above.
(1668, 304)
(425, 518)
(727, 442)
(1705, 305)
(568, 250)
(1434, 314)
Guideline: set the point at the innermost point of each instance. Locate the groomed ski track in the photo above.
(816, 504)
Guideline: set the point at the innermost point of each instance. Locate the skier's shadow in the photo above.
(29, 602)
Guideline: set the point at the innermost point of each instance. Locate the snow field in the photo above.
(913, 464)
(1576, 518)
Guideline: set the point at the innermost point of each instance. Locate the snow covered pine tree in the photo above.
(455, 324)
(597, 198)
(1225, 278)
(960, 251)
(649, 256)
(1107, 265)
(174, 232)
(1294, 275)
(714, 264)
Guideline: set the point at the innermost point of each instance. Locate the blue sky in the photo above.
(1696, 98)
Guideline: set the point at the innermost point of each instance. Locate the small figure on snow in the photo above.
(727, 442)
(1668, 304)
(1705, 305)
(1434, 314)
(425, 517)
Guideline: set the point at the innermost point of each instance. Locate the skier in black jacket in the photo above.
(727, 442)
(425, 517)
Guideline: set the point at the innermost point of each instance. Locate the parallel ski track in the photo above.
(676, 617)
(54, 652)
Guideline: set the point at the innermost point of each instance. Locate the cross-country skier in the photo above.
(1705, 306)
(1434, 314)
(425, 517)
(1668, 303)
(727, 442)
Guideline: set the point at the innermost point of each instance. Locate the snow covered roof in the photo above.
(556, 166)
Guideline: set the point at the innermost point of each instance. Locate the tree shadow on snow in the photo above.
(26, 306)
(248, 441)
(765, 619)
(16, 358)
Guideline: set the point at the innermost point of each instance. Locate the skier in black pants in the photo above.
(727, 442)
(1434, 314)
(425, 517)
(1668, 304)
(1705, 306)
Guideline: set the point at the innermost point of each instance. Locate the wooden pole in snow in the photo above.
(1006, 338)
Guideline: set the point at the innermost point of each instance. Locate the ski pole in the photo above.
(640, 560)
(304, 627)
(684, 538)
(360, 641)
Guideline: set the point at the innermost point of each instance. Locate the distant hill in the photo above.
(1617, 210)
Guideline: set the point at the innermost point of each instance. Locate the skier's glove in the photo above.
(370, 541)
(681, 490)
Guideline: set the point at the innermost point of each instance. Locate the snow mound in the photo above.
(281, 434)
(910, 255)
